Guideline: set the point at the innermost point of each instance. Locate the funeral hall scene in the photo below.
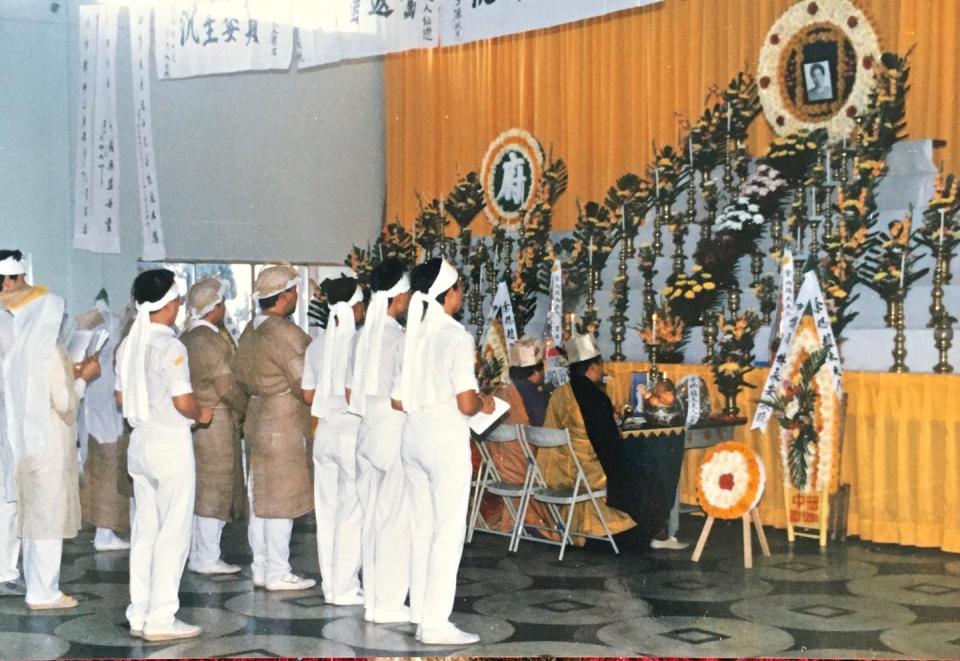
(478, 328)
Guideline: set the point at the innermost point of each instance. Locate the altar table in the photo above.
(901, 452)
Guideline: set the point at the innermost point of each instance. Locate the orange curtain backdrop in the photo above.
(598, 92)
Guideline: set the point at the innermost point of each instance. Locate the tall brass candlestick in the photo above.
(709, 329)
(658, 222)
(649, 297)
(618, 330)
(776, 233)
(706, 224)
(679, 235)
(727, 168)
(733, 299)
(899, 338)
(940, 319)
(756, 267)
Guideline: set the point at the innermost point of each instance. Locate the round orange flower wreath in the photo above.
(730, 480)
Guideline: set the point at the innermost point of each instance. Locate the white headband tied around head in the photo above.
(12, 266)
(336, 349)
(133, 368)
(206, 309)
(366, 368)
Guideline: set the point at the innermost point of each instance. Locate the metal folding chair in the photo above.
(490, 481)
(559, 495)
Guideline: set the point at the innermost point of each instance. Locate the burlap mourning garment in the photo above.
(217, 447)
(269, 365)
(102, 501)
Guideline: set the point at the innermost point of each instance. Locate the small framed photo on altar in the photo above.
(817, 82)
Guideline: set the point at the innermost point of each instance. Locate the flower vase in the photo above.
(730, 408)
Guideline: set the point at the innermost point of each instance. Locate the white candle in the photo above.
(844, 143)
(591, 251)
(903, 267)
(623, 219)
(654, 328)
(729, 118)
(829, 174)
(811, 202)
(690, 149)
(942, 214)
(658, 184)
(381, 252)
(481, 279)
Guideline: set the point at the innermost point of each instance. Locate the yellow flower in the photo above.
(696, 268)
(729, 368)
(689, 294)
(667, 291)
(706, 276)
(676, 294)
(708, 286)
(879, 276)
(698, 288)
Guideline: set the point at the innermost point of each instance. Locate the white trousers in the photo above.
(381, 488)
(337, 508)
(164, 477)
(205, 546)
(436, 458)
(9, 543)
(41, 569)
(104, 536)
(270, 542)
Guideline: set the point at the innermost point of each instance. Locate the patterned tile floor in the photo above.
(857, 599)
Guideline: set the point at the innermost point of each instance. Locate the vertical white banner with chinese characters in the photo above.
(102, 232)
(150, 223)
(201, 38)
(335, 30)
(83, 165)
(464, 21)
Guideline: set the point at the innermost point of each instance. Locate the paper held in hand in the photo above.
(81, 344)
(481, 423)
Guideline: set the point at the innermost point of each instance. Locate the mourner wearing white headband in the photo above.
(438, 389)
(380, 476)
(220, 489)
(12, 270)
(153, 387)
(326, 383)
(269, 365)
(41, 397)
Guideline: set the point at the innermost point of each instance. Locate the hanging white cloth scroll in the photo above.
(83, 165)
(101, 231)
(201, 38)
(504, 306)
(150, 222)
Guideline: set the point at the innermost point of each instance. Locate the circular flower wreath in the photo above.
(822, 454)
(858, 51)
(731, 480)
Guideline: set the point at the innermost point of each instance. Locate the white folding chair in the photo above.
(475, 485)
(490, 481)
(559, 495)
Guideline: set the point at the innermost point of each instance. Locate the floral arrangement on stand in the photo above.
(766, 292)
(890, 267)
(731, 480)
(733, 357)
(689, 295)
(671, 335)
(807, 410)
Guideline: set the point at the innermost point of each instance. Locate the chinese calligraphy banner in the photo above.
(83, 169)
(463, 21)
(152, 229)
(96, 226)
(196, 39)
(336, 30)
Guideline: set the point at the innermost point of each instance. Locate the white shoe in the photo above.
(176, 630)
(218, 567)
(291, 582)
(392, 615)
(670, 543)
(350, 599)
(115, 544)
(63, 601)
(448, 635)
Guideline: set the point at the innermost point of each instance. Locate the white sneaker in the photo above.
(448, 635)
(350, 599)
(218, 567)
(670, 543)
(63, 601)
(392, 615)
(115, 544)
(291, 582)
(176, 630)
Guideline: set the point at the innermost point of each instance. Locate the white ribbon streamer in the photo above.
(133, 361)
(336, 353)
(503, 305)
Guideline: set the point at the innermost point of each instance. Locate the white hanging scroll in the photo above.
(201, 38)
(102, 232)
(555, 318)
(810, 294)
(471, 20)
(83, 166)
(504, 306)
(335, 30)
(150, 222)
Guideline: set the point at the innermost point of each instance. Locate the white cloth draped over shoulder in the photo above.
(132, 367)
(336, 353)
(366, 369)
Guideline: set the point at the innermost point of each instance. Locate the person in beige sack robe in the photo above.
(220, 490)
(269, 365)
(42, 392)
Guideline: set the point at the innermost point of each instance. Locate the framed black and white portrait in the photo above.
(817, 82)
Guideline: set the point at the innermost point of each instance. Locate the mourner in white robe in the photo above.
(381, 481)
(9, 541)
(325, 382)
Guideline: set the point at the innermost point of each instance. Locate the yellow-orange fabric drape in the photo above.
(598, 92)
(901, 452)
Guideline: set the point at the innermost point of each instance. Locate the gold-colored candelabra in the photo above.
(727, 168)
(940, 319)
(898, 319)
(733, 299)
(776, 233)
(661, 218)
(756, 267)
(706, 224)
(618, 330)
(709, 329)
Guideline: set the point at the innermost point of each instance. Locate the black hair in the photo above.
(17, 255)
(386, 274)
(580, 368)
(339, 290)
(423, 276)
(817, 66)
(524, 373)
(150, 286)
(269, 301)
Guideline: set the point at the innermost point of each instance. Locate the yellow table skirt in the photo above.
(901, 452)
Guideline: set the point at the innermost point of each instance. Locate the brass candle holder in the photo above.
(776, 233)
(707, 190)
(940, 319)
(900, 337)
(679, 236)
(654, 374)
(727, 168)
(649, 296)
(756, 267)
(476, 307)
(733, 299)
(662, 217)
(709, 329)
